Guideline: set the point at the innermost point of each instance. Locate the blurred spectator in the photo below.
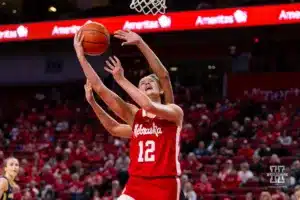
(200, 150)
(265, 196)
(248, 129)
(203, 186)
(296, 195)
(116, 189)
(191, 164)
(295, 171)
(285, 139)
(27, 196)
(229, 150)
(245, 150)
(278, 195)
(249, 196)
(236, 130)
(274, 160)
(189, 191)
(184, 179)
(263, 150)
(245, 174)
(122, 163)
(227, 168)
(214, 143)
(231, 181)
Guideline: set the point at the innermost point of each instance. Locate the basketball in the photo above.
(96, 38)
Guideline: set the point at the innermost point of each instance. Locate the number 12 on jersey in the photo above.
(146, 151)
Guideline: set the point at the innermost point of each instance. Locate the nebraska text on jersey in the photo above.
(139, 129)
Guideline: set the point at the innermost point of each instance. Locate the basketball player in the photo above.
(154, 146)
(155, 143)
(11, 170)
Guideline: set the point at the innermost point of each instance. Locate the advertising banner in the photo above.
(173, 21)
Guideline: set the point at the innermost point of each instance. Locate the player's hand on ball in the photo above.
(130, 38)
(78, 38)
(89, 92)
(114, 66)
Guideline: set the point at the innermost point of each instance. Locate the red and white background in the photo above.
(174, 21)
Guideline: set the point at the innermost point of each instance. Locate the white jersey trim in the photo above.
(125, 197)
(144, 114)
(178, 189)
(177, 150)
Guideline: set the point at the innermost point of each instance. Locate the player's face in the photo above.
(150, 86)
(12, 167)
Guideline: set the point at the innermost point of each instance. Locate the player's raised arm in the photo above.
(169, 112)
(131, 38)
(3, 186)
(122, 109)
(109, 123)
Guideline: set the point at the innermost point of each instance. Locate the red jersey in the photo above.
(154, 147)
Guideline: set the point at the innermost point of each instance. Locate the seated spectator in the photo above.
(249, 196)
(201, 151)
(184, 179)
(188, 133)
(263, 150)
(47, 175)
(245, 150)
(231, 181)
(116, 189)
(228, 167)
(203, 186)
(214, 143)
(236, 130)
(274, 160)
(47, 193)
(247, 129)
(189, 192)
(35, 175)
(96, 196)
(230, 149)
(256, 122)
(285, 139)
(245, 174)
(230, 112)
(296, 195)
(262, 131)
(265, 196)
(122, 163)
(27, 195)
(76, 186)
(278, 195)
(191, 164)
(109, 171)
(295, 171)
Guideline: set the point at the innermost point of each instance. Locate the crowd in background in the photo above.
(226, 146)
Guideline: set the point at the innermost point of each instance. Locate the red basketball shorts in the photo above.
(138, 188)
